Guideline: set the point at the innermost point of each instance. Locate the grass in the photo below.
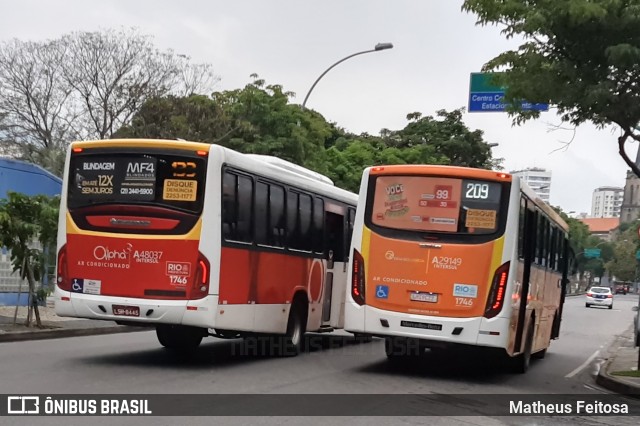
(631, 373)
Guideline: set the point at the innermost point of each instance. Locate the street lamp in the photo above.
(378, 47)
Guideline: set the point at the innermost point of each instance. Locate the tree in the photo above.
(448, 136)
(33, 99)
(112, 73)
(581, 56)
(23, 220)
(259, 119)
(623, 265)
(83, 85)
(256, 119)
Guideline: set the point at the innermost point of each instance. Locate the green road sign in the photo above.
(483, 82)
(592, 253)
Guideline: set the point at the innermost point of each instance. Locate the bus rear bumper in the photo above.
(437, 330)
(196, 313)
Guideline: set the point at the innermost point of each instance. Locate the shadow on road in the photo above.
(221, 353)
(470, 365)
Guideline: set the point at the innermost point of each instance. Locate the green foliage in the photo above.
(623, 262)
(623, 265)
(582, 56)
(259, 119)
(450, 138)
(23, 220)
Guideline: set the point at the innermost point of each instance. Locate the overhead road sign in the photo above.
(486, 96)
(592, 253)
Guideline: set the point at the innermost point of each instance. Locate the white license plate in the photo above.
(424, 297)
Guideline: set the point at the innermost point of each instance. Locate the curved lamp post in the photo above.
(378, 47)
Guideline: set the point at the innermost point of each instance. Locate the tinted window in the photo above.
(276, 216)
(436, 204)
(305, 215)
(174, 181)
(263, 233)
(244, 208)
(318, 225)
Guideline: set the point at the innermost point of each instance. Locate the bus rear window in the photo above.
(168, 180)
(436, 204)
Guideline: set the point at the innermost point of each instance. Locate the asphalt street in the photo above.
(134, 363)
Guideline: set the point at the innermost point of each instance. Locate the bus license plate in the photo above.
(424, 297)
(126, 311)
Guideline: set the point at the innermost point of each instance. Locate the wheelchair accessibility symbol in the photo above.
(382, 291)
(77, 285)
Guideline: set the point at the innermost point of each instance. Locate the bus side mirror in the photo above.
(635, 309)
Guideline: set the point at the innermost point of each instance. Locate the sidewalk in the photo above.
(623, 356)
(53, 326)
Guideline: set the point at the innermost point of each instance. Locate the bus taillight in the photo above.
(201, 283)
(498, 291)
(357, 278)
(63, 281)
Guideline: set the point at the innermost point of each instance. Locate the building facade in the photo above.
(630, 209)
(607, 201)
(538, 179)
(18, 176)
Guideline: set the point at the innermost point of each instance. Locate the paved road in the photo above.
(136, 364)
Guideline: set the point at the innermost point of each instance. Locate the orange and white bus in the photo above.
(448, 256)
(196, 239)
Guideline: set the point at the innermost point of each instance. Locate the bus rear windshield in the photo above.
(160, 179)
(436, 204)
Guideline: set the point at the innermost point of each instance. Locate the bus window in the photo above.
(244, 208)
(276, 216)
(261, 219)
(305, 215)
(435, 204)
(229, 189)
(318, 225)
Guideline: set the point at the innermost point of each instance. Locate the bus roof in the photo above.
(292, 175)
(439, 170)
(156, 143)
(535, 198)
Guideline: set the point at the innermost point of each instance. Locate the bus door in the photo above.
(336, 276)
(529, 246)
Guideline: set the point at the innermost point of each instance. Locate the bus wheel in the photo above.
(540, 354)
(522, 361)
(399, 347)
(179, 337)
(291, 343)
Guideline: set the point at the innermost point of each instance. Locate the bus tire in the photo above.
(399, 348)
(540, 354)
(520, 363)
(291, 343)
(178, 337)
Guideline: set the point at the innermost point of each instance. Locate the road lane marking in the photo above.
(583, 365)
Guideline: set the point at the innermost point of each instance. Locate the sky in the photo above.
(291, 42)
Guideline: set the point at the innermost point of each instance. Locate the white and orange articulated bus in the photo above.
(196, 239)
(447, 256)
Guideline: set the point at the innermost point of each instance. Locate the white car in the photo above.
(599, 296)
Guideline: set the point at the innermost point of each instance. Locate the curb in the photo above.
(69, 332)
(614, 384)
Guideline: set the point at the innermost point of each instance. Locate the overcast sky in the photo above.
(289, 42)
